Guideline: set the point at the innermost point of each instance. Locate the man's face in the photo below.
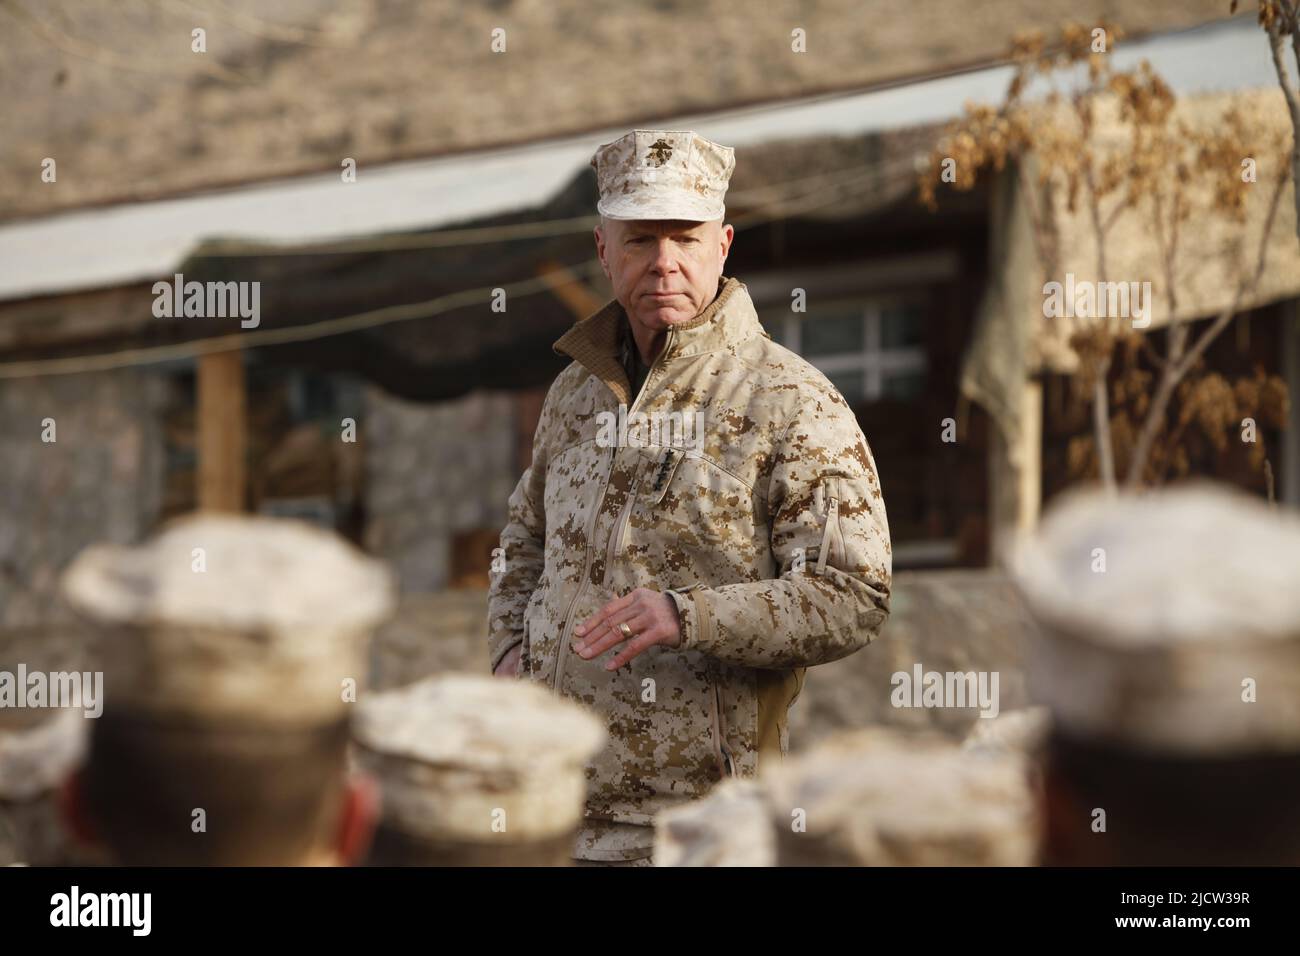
(664, 271)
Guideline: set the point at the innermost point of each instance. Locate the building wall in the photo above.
(433, 472)
(99, 480)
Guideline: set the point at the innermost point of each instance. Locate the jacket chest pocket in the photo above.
(574, 481)
(620, 504)
(662, 472)
(696, 522)
(689, 490)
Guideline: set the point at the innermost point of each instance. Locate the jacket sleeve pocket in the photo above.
(832, 543)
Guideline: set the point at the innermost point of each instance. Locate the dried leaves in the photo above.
(1203, 427)
(1153, 162)
(1110, 146)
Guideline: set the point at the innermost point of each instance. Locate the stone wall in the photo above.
(959, 621)
(99, 480)
(433, 470)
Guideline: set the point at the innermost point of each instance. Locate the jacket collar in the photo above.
(595, 341)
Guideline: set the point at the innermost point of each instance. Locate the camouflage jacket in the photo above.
(766, 528)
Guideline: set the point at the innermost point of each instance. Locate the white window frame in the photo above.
(874, 360)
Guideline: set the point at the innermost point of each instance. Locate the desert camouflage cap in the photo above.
(54, 651)
(41, 745)
(729, 827)
(663, 174)
(257, 620)
(469, 758)
(881, 797)
(1169, 621)
(1012, 731)
(36, 760)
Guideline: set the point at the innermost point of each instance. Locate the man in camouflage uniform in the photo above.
(679, 580)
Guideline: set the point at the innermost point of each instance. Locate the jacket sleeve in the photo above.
(830, 542)
(522, 553)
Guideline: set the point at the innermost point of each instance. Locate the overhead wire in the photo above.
(148, 355)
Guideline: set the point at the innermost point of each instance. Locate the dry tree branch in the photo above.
(1100, 395)
(1181, 363)
(1221, 322)
(1289, 23)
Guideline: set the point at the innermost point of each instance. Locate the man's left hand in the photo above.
(651, 616)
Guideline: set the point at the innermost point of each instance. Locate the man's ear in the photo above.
(73, 810)
(358, 817)
(600, 251)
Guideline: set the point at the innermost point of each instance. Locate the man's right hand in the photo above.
(509, 666)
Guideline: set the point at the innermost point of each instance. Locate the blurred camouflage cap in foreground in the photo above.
(457, 754)
(881, 797)
(1171, 621)
(222, 617)
(729, 827)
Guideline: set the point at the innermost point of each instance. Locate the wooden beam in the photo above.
(222, 431)
(569, 289)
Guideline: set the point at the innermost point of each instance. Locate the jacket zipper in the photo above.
(564, 649)
(717, 721)
(721, 750)
(664, 478)
(616, 539)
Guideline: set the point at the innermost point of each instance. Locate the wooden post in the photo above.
(222, 429)
(1016, 491)
(1030, 492)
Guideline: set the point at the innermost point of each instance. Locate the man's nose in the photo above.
(665, 257)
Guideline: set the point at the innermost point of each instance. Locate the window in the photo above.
(869, 348)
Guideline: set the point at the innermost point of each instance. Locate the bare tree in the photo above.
(1281, 21)
(1152, 167)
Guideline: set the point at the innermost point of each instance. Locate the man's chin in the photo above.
(665, 316)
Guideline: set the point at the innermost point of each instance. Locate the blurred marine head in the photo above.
(476, 771)
(1170, 661)
(233, 650)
